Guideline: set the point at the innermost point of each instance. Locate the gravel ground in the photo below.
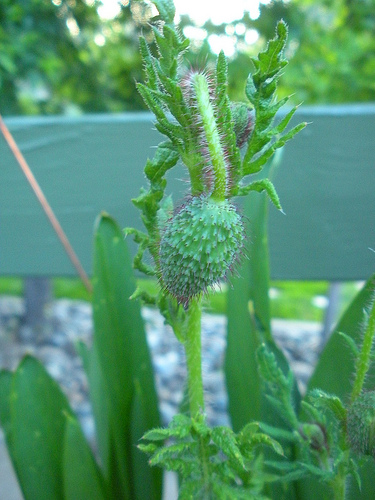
(70, 321)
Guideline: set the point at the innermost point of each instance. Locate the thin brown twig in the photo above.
(45, 205)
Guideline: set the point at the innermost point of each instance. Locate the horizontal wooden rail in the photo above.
(326, 182)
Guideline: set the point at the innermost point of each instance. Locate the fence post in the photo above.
(38, 295)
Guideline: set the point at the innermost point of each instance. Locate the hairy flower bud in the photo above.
(200, 246)
(243, 122)
(361, 424)
(315, 434)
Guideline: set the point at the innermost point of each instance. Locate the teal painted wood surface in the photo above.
(326, 182)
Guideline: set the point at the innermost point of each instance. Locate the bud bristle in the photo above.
(361, 424)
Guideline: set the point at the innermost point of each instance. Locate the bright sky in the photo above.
(216, 10)
(219, 11)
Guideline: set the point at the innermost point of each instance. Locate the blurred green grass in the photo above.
(305, 300)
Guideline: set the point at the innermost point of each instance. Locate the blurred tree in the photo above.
(331, 48)
(61, 56)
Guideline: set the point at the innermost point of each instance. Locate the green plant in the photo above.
(197, 244)
(281, 445)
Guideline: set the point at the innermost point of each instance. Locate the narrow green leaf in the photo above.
(350, 343)
(334, 371)
(100, 403)
(249, 323)
(5, 391)
(122, 351)
(243, 382)
(82, 476)
(6, 378)
(38, 418)
(334, 375)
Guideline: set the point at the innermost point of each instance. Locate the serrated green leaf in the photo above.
(323, 400)
(279, 385)
(225, 440)
(288, 471)
(166, 9)
(221, 71)
(281, 126)
(177, 450)
(260, 438)
(254, 166)
(180, 421)
(262, 185)
(280, 434)
(149, 66)
(260, 90)
(148, 448)
(165, 158)
(250, 429)
(251, 90)
(158, 434)
(270, 60)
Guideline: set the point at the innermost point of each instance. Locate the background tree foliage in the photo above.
(60, 56)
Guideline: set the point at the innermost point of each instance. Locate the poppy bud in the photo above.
(200, 246)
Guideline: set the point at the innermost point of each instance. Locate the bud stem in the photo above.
(215, 149)
(194, 357)
(364, 357)
(339, 483)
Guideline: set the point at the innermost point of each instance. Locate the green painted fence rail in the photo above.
(87, 164)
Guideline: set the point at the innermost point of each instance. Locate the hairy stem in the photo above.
(194, 358)
(364, 357)
(339, 483)
(215, 149)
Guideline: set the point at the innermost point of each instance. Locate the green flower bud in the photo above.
(361, 424)
(243, 122)
(200, 246)
(315, 434)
